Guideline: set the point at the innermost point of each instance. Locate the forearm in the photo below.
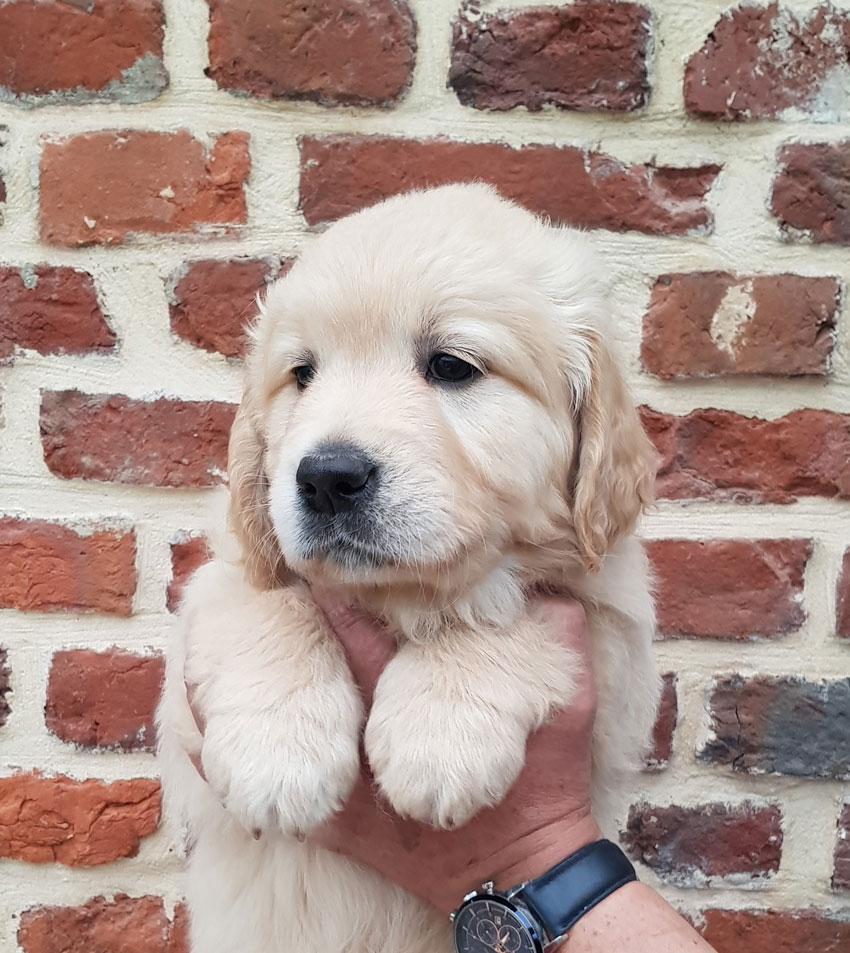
(634, 919)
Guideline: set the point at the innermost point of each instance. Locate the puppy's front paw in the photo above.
(289, 767)
(441, 761)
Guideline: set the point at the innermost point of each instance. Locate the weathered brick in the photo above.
(5, 687)
(719, 455)
(97, 51)
(76, 823)
(48, 566)
(105, 187)
(355, 52)
(712, 323)
(341, 174)
(775, 931)
(588, 55)
(52, 310)
(665, 724)
(842, 620)
(120, 925)
(782, 725)
(765, 62)
(186, 556)
(729, 588)
(104, 699)
(212, 302)
(811, 192)
(695, 846)
(153, 443)
(841, 871)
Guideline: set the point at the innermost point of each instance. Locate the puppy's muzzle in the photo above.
(336, 479)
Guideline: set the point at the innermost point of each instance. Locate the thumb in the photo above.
(367, 645)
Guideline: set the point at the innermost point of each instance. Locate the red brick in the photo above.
(841, 872)
(729, 588)
(665, 725)
(719, 455)
(341, 174)
(355, 52)
(5, 687)
(693, 846)
(768, 63)
(76, 823)
(105, 187)
(781, 725)
(120, 925)
(712, 323)
(52, 310)
(104, 699)
(213, 302)
(186, 556)
(153, 443)
(99, 51)
(589, 55)
(775, 931)
(48, 566)
(811, 192)
(842, 620)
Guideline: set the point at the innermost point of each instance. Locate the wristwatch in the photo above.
(534, 915)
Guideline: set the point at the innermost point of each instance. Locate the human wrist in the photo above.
(531, 855)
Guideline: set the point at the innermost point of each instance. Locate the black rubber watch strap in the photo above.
(566, 892)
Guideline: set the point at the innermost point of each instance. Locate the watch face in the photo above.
(490, 925)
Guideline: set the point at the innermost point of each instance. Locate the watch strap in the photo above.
(566, 892)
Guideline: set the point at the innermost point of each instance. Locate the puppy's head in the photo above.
(430, 388)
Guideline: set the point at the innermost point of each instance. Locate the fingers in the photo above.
(368, 647)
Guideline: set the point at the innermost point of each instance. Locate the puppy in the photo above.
(433, 423)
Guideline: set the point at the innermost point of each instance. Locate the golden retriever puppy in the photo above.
(433, 423)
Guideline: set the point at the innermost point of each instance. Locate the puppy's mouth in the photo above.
(346, 549)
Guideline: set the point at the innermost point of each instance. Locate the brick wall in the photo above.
(160, 162)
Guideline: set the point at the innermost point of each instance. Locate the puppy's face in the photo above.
(417, 392)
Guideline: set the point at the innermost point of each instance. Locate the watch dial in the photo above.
(488, 926)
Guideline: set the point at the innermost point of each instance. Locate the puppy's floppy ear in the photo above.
(248, 513)
(615, 472)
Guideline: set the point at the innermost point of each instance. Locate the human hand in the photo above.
(544, 817)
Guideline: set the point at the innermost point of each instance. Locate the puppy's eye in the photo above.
(303, 374)
(448, 367)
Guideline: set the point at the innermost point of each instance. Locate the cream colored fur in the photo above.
(534, 474)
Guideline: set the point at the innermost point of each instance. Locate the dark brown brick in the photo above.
(665, 725)
(775, 931)
(720, 455)
(104, 699)
(712, 323)
(49, 566)
(186, 556)
(341, 174)
(354, 52)
(120, 925)
(213, 302)
(783, 725)
(765, 62)
(81, 52)
(694, 846)
(588, 55)
(52, 310)
(811, 193)
(842, 620)
(5, 687)
(152, 443)
(729, 588)
(841, 872)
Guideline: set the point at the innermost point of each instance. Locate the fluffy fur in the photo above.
(533, 474)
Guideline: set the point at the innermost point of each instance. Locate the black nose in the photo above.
(334, 479)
